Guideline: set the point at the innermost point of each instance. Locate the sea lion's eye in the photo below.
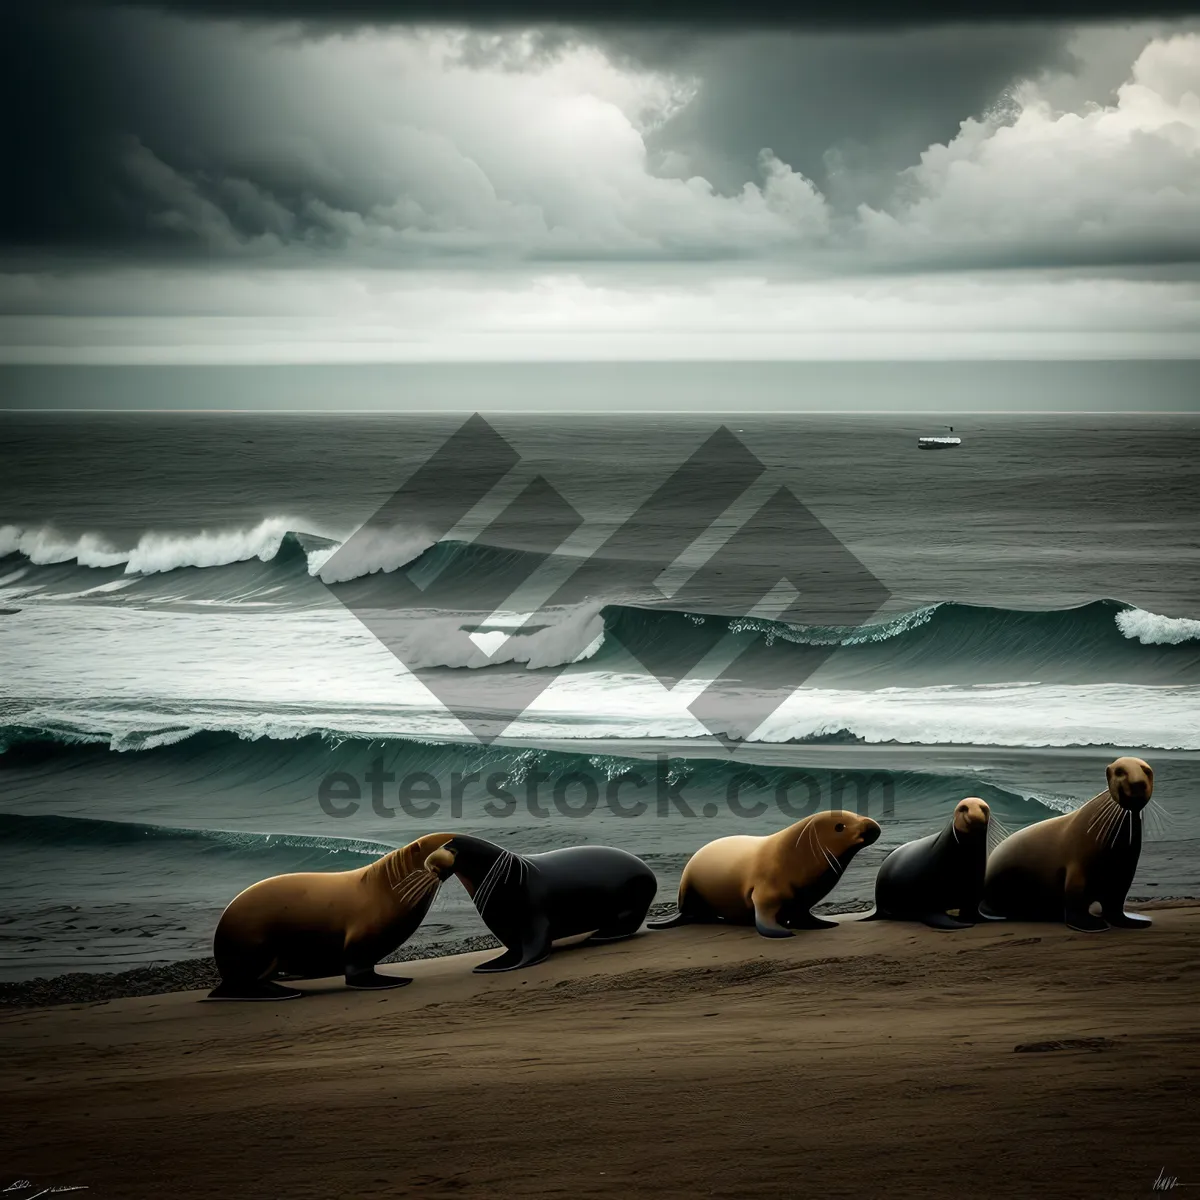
(839, 828)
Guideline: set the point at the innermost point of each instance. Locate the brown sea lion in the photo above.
(771, 882)
(317, 923)
(1056, 869)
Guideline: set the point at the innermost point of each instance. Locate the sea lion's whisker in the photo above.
(810, 836)
(484, 889)
(1133, 816)
(1100, 819)
(492, 879)
(1114, 824)
(1157, 807)
(1116, 833)
(1114, 830)
(1111, 815)
(806, 832)
(1114, 818)
(416, 891)
(1102, 824)
(409, 884)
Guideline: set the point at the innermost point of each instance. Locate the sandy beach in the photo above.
(873, 1060)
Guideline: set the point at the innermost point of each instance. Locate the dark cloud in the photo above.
(691, 13)
(138, 134)
(847, 111)
(142, 134)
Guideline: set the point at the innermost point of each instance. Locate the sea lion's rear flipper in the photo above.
(535, 946)
(252, 991)
(939, 920)
(371, 980)
(692, 911)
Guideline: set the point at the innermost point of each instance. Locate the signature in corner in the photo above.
(1166, 1183)
(23, 1186)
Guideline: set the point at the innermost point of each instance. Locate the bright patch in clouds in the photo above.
(1122, 176)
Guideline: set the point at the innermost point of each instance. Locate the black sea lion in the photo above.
(922, 880)
(315, 923)
(1056, 869)
(532, 901)
(771, 882)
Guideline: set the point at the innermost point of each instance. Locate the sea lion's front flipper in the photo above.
(766, 917)
(937, 920)
(1076, 905)
(1083, 921)
(807, 920)
(253, 991)
(535, 946)
(370, 979)
(1118, 918)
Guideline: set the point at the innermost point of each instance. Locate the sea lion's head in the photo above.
(1131, 783)
(843, 834)
(441, 862)
(971, 816)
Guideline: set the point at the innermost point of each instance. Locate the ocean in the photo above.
(210, 674)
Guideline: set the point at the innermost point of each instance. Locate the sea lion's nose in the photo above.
(869, 834)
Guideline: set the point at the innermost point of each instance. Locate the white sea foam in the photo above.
(46, 545)
(275, 674)
(155, 552)
(1153, 630)
(369, 551)
(566, 635)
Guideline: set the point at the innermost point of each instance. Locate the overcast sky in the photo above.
(260, 182)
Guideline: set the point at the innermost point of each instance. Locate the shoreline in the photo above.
(879, 1060)
(192, 974)
(195, 974)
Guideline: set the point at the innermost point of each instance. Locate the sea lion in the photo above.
(1056, 869)
(312, 924)
(923, 879)
(532, 902)
(771, 882)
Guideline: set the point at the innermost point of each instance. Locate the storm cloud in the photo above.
(156, 147)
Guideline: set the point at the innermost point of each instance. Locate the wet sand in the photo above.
(875, 1060)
